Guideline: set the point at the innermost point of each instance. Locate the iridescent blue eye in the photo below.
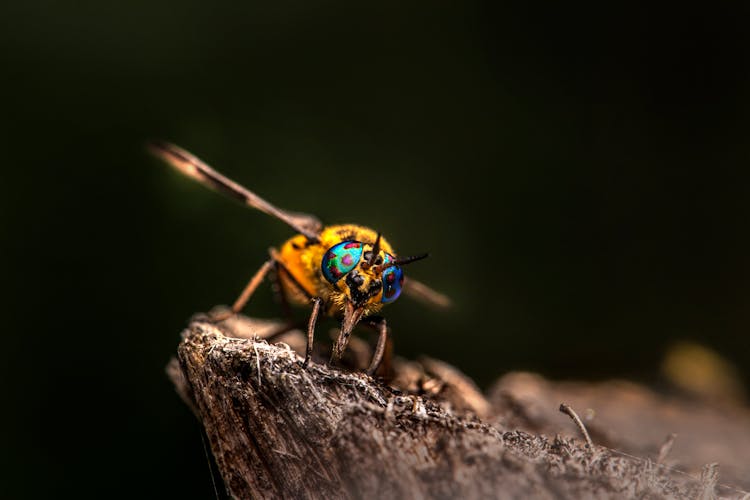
(393, 280)
(340, 259)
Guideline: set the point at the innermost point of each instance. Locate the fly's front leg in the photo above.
(317, 303)
(379, 323)
(250, 288)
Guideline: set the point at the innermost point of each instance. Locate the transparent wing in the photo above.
(425, 294)
(194, 167)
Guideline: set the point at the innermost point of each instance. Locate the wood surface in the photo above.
(278, 430)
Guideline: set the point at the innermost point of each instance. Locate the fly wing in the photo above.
(425, 294)
(194, 167)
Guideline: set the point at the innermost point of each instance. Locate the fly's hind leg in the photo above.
(275, 263)
(250, 288)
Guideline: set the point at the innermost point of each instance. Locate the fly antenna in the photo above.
(374, 254)
(375, 250)
(401, 262)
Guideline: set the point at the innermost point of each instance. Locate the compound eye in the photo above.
(340, 259)
(393, 280)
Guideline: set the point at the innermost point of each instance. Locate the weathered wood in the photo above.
(633, 419)
(278, 430)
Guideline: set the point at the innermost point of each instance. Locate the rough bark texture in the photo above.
(278, 430)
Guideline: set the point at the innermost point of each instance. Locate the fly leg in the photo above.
(250, 288)
(279, 291)
(380, 325)
(255, 281)
(317, 303)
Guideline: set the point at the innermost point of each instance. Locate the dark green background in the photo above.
(578, 173)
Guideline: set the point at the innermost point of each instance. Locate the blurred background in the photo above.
(579, 175)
